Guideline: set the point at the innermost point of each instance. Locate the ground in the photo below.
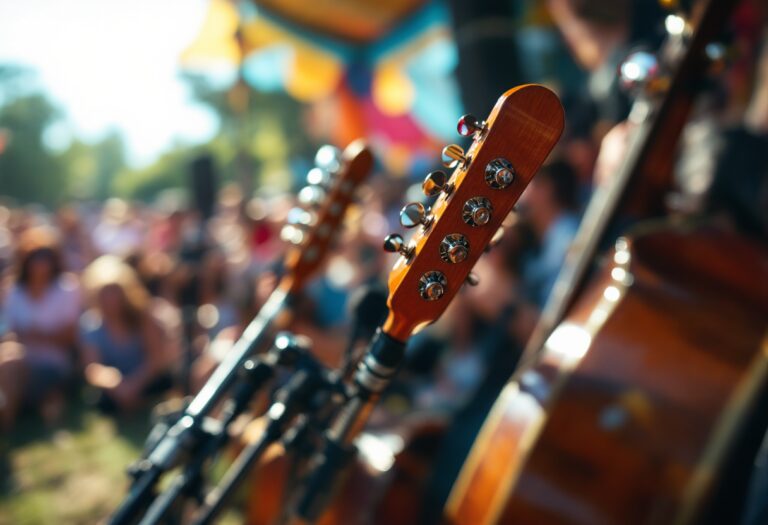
(72, 475)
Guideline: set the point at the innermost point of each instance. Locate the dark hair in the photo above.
(565, 188)
(34, 243)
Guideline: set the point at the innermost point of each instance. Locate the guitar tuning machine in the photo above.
(436, 182)
(453, 157)
(477, 211)
(292, 234)
(454, 248)
(311, 195)
(300, 217)
(432, 285)
(414, 214)
(469, 126)
(499, 173)
(640, 71)
(328, 158)
(319, 177)
(394, 243)
(472, 279)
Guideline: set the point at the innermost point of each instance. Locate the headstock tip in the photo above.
(358, 152)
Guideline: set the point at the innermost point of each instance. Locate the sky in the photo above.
(111, 64)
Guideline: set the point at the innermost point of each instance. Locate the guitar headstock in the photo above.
(473, 201)
(333, 182)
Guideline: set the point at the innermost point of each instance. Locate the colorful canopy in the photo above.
(383, 70)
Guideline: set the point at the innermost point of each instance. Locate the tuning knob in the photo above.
(414, 214)
(299, 217)
(432, 286)
(638, 70)
(311, 195)
(469, 125)
(453, 156)
(328, 158)
(318, 177)
(477, 211)
(292, 234)
(436, 182)
(394, 243)
(454, 248)
(496, 239)
(472, 279)
(499, 173)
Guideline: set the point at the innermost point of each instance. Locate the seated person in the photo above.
(129, 340)
(41, 312)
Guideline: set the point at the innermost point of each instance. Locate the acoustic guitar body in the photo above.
(645, 401)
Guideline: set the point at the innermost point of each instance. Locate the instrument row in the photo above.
(640, 399)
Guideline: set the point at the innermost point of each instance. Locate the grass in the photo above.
(72, 475)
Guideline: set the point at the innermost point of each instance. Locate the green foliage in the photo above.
(259, 138)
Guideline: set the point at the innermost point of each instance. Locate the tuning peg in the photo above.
(717, 55)
(311, 195)
(394, 243)
(469, 125)
(292, 234)
(496, 239)
(328, 158)
(453, 156)
(432, 285)
(454, 248)
(414, 214)
(318, 177)
(638, 70)
(472, 279)
(299, 217)
(436, 182)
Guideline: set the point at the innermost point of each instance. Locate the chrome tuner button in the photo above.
(311, 195)
(469, 125)
(328, 158)
(499, 173)
(432, 286)
(292, 234)
(414, 214)
(299, 217)
(477, 211)
(454, 248)
(638, 70)
(436, 182)
(318, 177)
(472, 279)
(453, 156)
(394, 243)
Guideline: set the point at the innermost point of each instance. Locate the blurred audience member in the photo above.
(129, 339)
(118, 231)
(42, 308)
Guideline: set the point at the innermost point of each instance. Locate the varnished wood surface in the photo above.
(639, 419)
(523, 127)
(368, 494)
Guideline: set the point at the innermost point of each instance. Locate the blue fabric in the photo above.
(127, 356)
(540, 271)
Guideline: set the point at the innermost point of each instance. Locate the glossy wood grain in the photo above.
(640, 394)
(373, 491)
(523, 127)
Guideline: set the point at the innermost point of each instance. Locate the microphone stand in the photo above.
(374, 373)
(187, 433)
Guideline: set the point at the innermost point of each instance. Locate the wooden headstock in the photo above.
(307, 256)
(522, 129)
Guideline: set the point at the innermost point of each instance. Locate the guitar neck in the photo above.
(639, 187)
